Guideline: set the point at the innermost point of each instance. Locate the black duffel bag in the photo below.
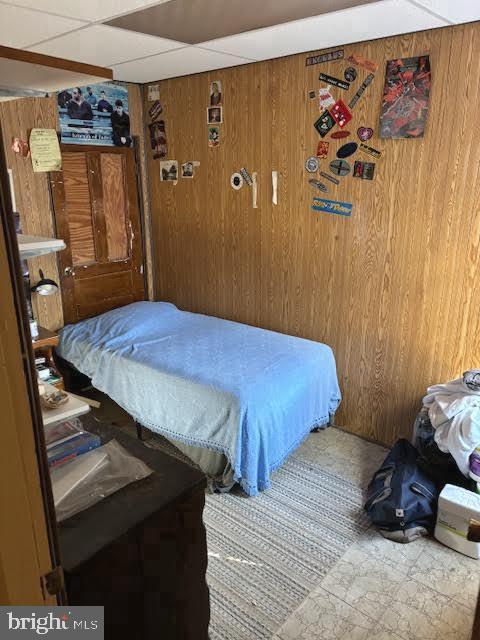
(401, 498)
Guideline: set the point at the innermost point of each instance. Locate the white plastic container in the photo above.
(458, 520)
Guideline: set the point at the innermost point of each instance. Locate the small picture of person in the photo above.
(103, 104)
(214, 115)
(187, 170)
(63, 98)
(215, 93)
(168, 170)
(78, 108)
(91, 98)
(120, 126)
(158, 139)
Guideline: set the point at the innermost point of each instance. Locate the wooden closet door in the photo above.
(97, 214)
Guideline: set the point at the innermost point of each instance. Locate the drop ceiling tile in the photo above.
(89, 10)
(366, 22)
(23, 27)
(105, 46)
(180, 62)
(457, 11)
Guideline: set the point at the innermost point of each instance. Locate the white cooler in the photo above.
(458, 520)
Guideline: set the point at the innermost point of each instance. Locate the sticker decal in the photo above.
(322, 149)
(318, 185)
(370, 150)
(155, 110)
(361, 61)
(364, 133)
(338, 135)
(332, 206)
(327, 176)
(324, 123)
(347, 150)
(363, 170)
(324, 57)
(246, 176)
(236, 181)
(340, 113)
(360, 91)
(350, 74)
(340, 167)
(336, 82)
(311, 164)
(325, 98)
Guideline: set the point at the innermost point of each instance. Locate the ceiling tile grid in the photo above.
(366, 22)
(105, 46)
(74, 30)
(21, 27)
(181, 62)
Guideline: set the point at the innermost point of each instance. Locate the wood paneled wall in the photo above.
(17, 118)
(395, 288)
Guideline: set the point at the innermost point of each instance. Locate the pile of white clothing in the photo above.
(454, 411)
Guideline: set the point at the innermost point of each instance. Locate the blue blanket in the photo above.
(251, 394)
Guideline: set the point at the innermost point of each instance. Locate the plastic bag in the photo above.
(81, 483)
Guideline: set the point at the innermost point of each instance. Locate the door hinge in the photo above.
(53, 582)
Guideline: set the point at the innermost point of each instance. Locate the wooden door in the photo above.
(97, 214)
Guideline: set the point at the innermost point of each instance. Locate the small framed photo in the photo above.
(168, 170)
(213, 136)
(216, 94)
(215, 115)
(187, 170)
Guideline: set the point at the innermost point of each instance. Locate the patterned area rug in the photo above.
(267, 553)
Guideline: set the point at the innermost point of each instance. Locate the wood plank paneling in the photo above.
(78, 208)
(114, 205)
(394, 289)
(17, 118)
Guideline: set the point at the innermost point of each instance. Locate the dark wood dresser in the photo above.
(141, 552)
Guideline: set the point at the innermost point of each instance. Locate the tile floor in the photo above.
(381, 590)
(378, 590)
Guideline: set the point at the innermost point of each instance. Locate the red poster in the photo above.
(405, 98)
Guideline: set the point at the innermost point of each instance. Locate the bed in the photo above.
(237, 399)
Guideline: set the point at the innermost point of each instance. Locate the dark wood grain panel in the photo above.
(394, 289)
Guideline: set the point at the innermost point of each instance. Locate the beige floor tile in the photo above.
(343, 454)
(363, 581)
(417, 612)
(448, 572)
(401, 557)
(383, 634)
(322, 616)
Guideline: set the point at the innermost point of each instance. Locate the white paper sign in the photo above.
(153, 92)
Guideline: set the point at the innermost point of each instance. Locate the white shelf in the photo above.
(32, 246)
(73, 408)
